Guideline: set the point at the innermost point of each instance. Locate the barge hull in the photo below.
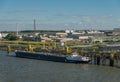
(40, 56)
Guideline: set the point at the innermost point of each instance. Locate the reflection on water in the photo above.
(29, 70)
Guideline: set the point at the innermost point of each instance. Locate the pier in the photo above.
(108, 55)
(106, 59)
(103, 55)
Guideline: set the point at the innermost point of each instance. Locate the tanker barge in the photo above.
(74, 57)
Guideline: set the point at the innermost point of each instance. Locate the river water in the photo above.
(14, 69)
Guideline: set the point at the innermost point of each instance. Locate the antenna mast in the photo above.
(34, 25)
(17, 29)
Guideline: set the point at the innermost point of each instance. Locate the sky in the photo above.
(59, 14)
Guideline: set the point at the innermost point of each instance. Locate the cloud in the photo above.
(106, 16)
(59, 14)
(91, 16)
(65, 24)
(79, 23)
(74, 16)
(27, 11)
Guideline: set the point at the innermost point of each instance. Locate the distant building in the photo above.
(83, 37)
(30, 37)
(0, 36)
(116, 31)
(94, 33)
(46, 39)
(64, 39)
(79, 33)
(4, 34)
(61, 35)
(69, 31)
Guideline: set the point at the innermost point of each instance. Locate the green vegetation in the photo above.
(11, 36)
(107, 37)
(21, 42)
(42, 31)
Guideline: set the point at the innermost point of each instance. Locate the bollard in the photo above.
(116, 58)
(30, 48)
(98, 59)
(103, 60)
(95, 59)
(68, 50)
(91, 58)
(111, 59)
(8, 49)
